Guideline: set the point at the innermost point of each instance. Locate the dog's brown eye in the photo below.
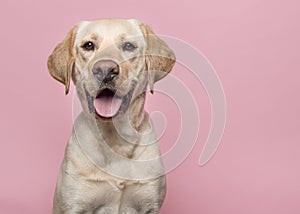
(127, 46)
(88, 46)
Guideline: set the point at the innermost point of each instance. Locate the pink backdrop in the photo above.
(254, 47)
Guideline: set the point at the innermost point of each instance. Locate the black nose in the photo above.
(105, 70)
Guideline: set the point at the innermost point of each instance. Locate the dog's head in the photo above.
(111, 62)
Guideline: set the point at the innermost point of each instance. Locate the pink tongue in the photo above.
(107, 106)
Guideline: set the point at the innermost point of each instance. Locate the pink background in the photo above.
(254, 47)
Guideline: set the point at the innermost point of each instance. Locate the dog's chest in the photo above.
(100, 192)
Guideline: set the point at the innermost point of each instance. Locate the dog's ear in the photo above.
(61, 61)
(160, 59)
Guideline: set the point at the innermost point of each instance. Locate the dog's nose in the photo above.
(105, 70)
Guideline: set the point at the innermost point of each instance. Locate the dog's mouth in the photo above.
(107, 104)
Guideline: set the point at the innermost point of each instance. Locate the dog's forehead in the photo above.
(110, 28)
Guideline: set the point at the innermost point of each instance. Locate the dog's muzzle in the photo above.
(106, 103)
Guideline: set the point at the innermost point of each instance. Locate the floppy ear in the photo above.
(61, 61)
(160, 59)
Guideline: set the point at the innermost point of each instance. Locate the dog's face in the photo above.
(110, 61)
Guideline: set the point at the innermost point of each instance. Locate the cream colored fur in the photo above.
(111, 166)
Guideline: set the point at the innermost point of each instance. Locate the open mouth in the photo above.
(107, 104)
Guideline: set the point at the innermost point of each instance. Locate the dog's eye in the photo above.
(127, 46)
(88, 46)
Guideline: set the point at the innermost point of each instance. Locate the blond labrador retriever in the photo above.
(112, 162)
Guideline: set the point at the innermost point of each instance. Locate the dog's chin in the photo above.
(106, 104)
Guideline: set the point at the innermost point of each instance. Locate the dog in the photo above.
(112, 161)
